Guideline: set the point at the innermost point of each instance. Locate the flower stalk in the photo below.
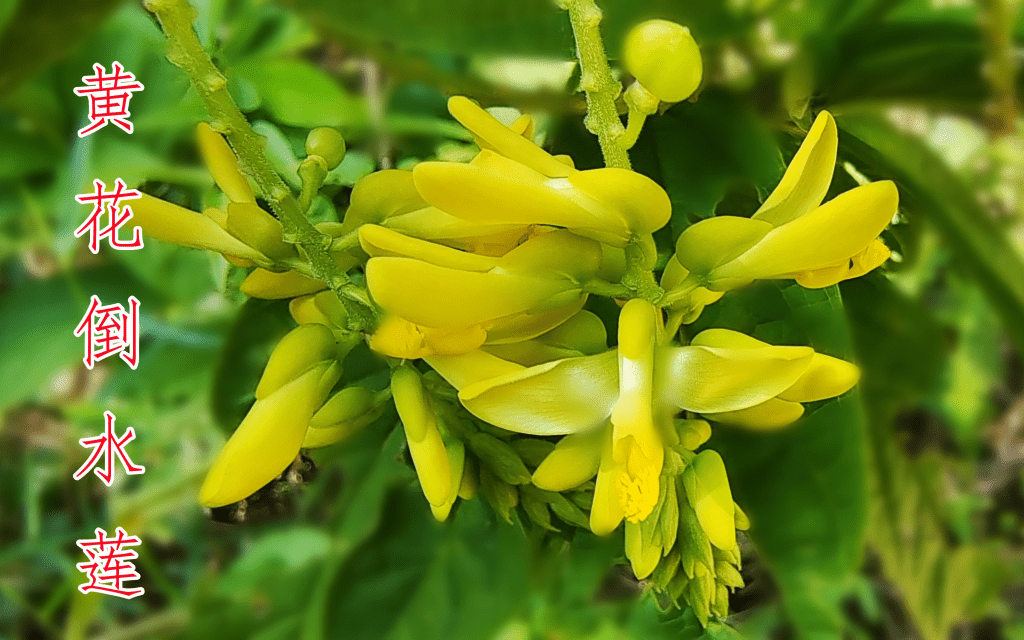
(186, 52)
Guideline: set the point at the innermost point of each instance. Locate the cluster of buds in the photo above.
(505, 385)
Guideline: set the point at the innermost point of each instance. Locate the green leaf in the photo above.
(300, 95)
(259, 326)
(43, 31)
(930, 189)
(804, 486)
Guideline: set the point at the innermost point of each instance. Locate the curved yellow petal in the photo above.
(464, 369)
(562, 252)
(379, 196)
(808, 176)
(531, 324)
(606, 509)
(456, 464)
(557, 398)
(715, 241)
(727, 339)
(643, 558)
(712, 379)
(303, 347)
(872, 257)
(826, 377)
(258, 229)
(271, 285)
(766, 416)
(504, 140)
(426, 447)
(344, 406)
(707, 488)
(832, 233)
(583, 332)
(399, 338)
(430, 223)
(633, 415)
(171, 223)
(640, 202)
(573, 461)
(268, 439)
(380, 241)
(223, 165)
(441, 297)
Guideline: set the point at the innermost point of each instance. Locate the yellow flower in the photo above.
(792, 235)
(300, 374)
(447, 301)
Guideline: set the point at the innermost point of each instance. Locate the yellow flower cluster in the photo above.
(482, 270)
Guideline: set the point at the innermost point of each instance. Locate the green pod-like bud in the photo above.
(583, 498)
(502, 496)
(500, 457)
(270, 285)
(677, 587)
(693, 541)
(720, 606)
(642, 552)
(664, 58)
(666, 570)
(223, 165)
(327, 143)
(568, 511)
(258, 229)
(700, 599)
(741, 519)
(532, 450)
(303, 347)
(668, 518)
(536, 508)
(692, 433)
(728, 575)
(470, 479)
(732, 556)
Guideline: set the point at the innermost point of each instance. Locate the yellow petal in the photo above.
(530, 324)
(832, 233)
(465, 369)
(399, 338)
(268, 439)
(223, 165)
(344, 406)
(766, 416)
(171, 223)
(530, 352)
(557, 398)
(430, 223)
(456, 463)
(562, 252)
(435, 296)
(258, 229)
(707, 487)
(380, 241)
(715, 241)
(503, 193)
(808, 176)
(523, 126)
(502, 139)
(304, 311)
(606, 510)
(583, 332)
(712, 379)
(643, 558)
(425, 444)
(826, 377)
(640, 202)
(692, 433)
(380, 195)
(303, 347)
(633, 415)
(270, 285)
(573, 461)
(870, 258)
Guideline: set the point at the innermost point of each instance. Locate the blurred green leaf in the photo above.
(47, 30)
(259, 326)
(301, 95)
(803, 487)
(930, 189)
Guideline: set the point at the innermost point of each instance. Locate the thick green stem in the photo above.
(185, 51)
(597, 81)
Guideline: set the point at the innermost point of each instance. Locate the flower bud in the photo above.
(666, 570)
(707, 489)
(664, 58)
(568, 511)
(302, 348)
(429, 456)
(502, 496)
(573, 461)
(258, 229)
(326, 143)
(270, 285)
(171, 223)
(500, 457)
(536, 508)
(692, 433)
(223, 165)
(532, 450)
(643, 556)
(456, 463)
(470, 479)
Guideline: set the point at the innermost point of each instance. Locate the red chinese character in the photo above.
(108, 568)
(109, 330)
(107, 201)
(108, 99)
(108, 446)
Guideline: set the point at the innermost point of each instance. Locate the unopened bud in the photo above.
(502, 496)
(500, 457)
(664, 58)
(303, 347)
(270, 285)
(326, 143)
(258, 229)
(536, 509)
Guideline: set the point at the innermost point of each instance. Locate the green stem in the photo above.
(607, 289)
(597, 81)
(185, 51)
